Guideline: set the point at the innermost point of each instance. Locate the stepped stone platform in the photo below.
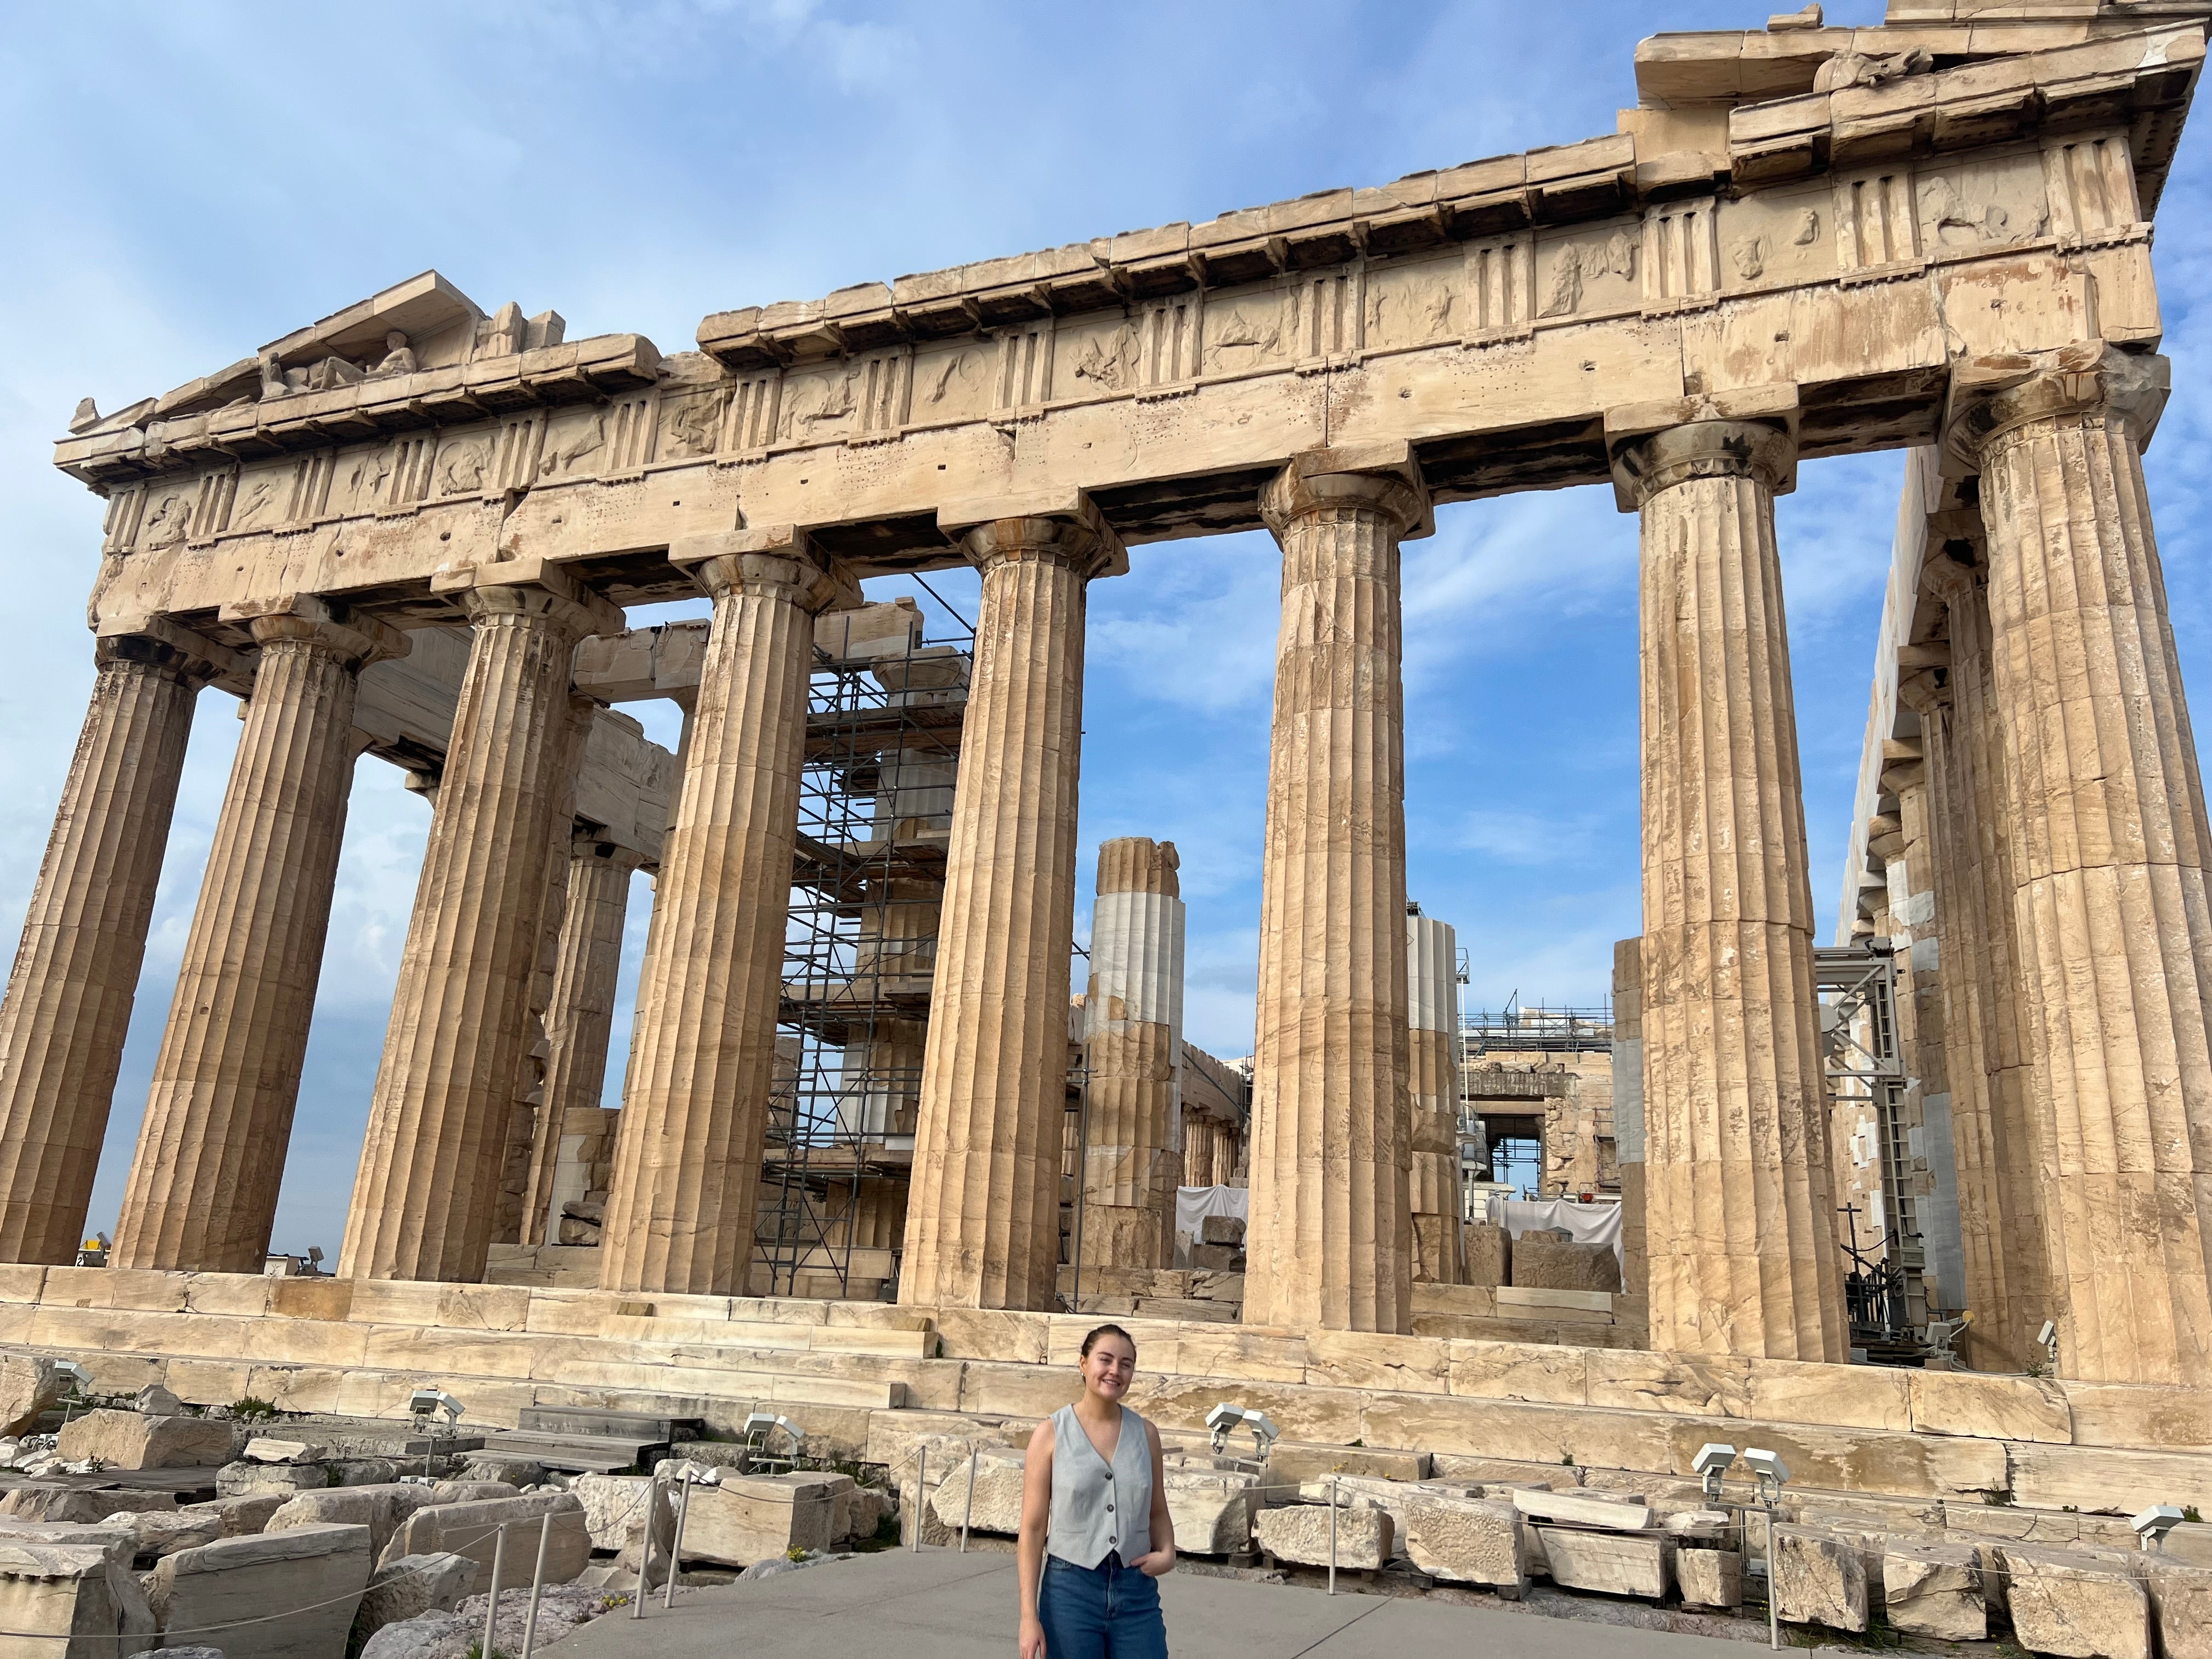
(869, 1380)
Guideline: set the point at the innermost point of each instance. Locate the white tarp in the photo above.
(1590, 1223)
(1195, 1204)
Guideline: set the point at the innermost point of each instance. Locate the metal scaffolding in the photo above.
(883, 744)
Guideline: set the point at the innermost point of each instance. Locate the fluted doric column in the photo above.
(1132, 1045)
(1432, 970)
(1738, 1204)
(1329, 1242)
(982, 1226)
(202, 1195)
(2108, 835)
(425, 1198)
(687, 1177)
(68, 1004)
(579, 1011)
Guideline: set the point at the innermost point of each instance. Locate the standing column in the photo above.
(1133, 1040)
(2109, 841)
(67, 1003)
(424, 1199)
(983, 1213)
(688, 1157)
(1330, 1236)
(1432, 979)
(203, 1190)
(580, 1014)
(1738, 1208)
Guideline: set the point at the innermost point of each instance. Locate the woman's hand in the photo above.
(1155, 1564)
(1032, 1638)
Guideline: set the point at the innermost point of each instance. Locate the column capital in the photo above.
(1383, 478)
(330, 624)
(776, 560)
(181, 654)
(599, 846)
(1748, 433)
(1059, 526)
(528, 586)
(1992, 398)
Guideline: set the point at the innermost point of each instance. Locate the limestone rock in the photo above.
(1541, 1262)
(64, 1591)
(81, 1504)
(1212, 1509)
(516, 1471)
(1935, 1590)
(120, 1542)
(2181, 1600)
(1300, 1533)
(359, 1470)
(1817, 1580)
(997, 1491)
(155, 1401)
(1710, 1578)
(471, 1529)
(753, 1517)
(244, 1515)
(859, 1512)
(157, 1533)
(1614, 1563)
(30, 1385)
(380, 1509)
(1489, 1250)
(433, 1636)
(267, 1449)
(1222, 1229)
(312, 1575)
(238, 1480)
(471, 1492)
(1467, 1541)
(126, 1440)
(2074, 1604)
(411, 1587)
(614, 1508)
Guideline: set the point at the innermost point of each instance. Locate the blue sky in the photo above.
(186, 183)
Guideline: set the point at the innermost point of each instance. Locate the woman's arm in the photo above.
(1163, 1557)
(1036, 1517)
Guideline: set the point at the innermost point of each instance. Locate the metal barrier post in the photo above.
(1333, 1493)
(969, 1513)
(920, 1492)
(676, 1545)
(536, 1587)
(491, 1601)
(1773, 1600)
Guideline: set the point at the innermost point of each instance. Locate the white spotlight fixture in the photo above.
(1226, 1418)
(2154, 1524)
(424, 1402)
(1770, 1472)
(1712, 1464)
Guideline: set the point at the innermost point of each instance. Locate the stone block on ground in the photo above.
(126, 1440)
(1935, 1590)
(310, 1579)
(1817, 1580)
(236, 1479)
(472, 1530)
(1212, 1509)
(1616, 1512)
(998, 1501)
(1467, 1541)
(380, 1509)
(86, 1504)
(1291, 1465)
(120, 1542)
(1217, 1258)
(157, 1532)
(411, 1587)
(359, 1470)
(471, 1492)
(856, 1513)
(1222, 1229)
(1541, 1262)
(432, 1636)
(616, 1506)
(753, 1517)
(30, 1386)
(1300, 1533)
(1612, 1562)
(1710, 1578)
(246, 1514)
(2074, 1604)
(516, 1471)
(268, 1448)
(155, 1401)
(2181, 1606)
(1489, 1250)
(76, 1596)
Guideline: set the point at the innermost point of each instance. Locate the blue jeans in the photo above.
(1105, 1611)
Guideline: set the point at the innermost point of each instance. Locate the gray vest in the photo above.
(1095, 1508)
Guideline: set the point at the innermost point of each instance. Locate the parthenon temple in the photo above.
(1926, 1203)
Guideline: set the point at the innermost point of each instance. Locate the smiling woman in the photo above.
(1096, 1531)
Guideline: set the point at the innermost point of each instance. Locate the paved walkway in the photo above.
(936, 1602)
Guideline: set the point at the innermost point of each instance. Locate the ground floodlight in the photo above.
(1771, 1472)
(1712, 1463)
(80, 1378)
(762, 1423)
(2155, 1522)
(2049, 1333)
(423, 1401)
(1225, 1418)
